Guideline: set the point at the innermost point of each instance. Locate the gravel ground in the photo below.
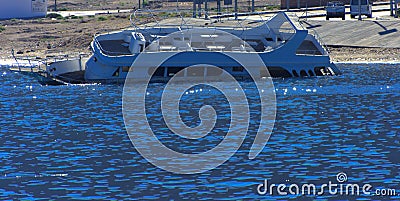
(40, 37)
(344, 54)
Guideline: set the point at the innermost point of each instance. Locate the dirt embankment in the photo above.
(91, 4)
(244, 5)
(343, 54)
(38, 37)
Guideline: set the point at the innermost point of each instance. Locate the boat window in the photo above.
(303, 73)
(159, 72)
(237, 69)
(264, 72)
(214, 71)
(256, 44)
(308, 48)
(126, 69)
(295, 73)
(171, 71)
(276, 71)
(286, 27)
(141, 47)
(116, 73)
(195, 71)
(319, 71)
(310, 73)
(269, 39)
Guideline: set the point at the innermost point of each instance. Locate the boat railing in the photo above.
(54, 56)
(295, 20)
(39, 65)
(319, 40)
(308, 52)
(314, 33)
(143, 19)
(152, 18)
(28, 64)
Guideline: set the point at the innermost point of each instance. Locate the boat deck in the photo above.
(115, 47)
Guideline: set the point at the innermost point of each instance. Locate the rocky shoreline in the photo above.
(357, 54)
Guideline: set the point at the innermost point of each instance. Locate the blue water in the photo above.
(70, 142)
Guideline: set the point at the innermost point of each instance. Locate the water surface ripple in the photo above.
(69, 142)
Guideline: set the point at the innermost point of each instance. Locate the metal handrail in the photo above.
(312, 32)
(185, 23)
(319, 39)
(307, 52)
(184, 20)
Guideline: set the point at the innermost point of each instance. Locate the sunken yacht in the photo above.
(285, 47)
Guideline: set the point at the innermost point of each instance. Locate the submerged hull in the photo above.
(294, 53)
(279, 47)
(311, 66)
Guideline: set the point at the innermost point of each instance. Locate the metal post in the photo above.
(236, 10)
(395, 9)
(252, 6)
(194, 9)
(359, 9)
(391, 7)
(55, 5)
(219, 6)
(206, 9)
(287, 5)
(306, 11)
(298, 3)
(199, 9)
(139, 4)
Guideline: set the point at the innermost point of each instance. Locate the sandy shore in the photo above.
(41, 37)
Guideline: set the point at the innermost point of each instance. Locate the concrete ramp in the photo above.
(358, 33)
